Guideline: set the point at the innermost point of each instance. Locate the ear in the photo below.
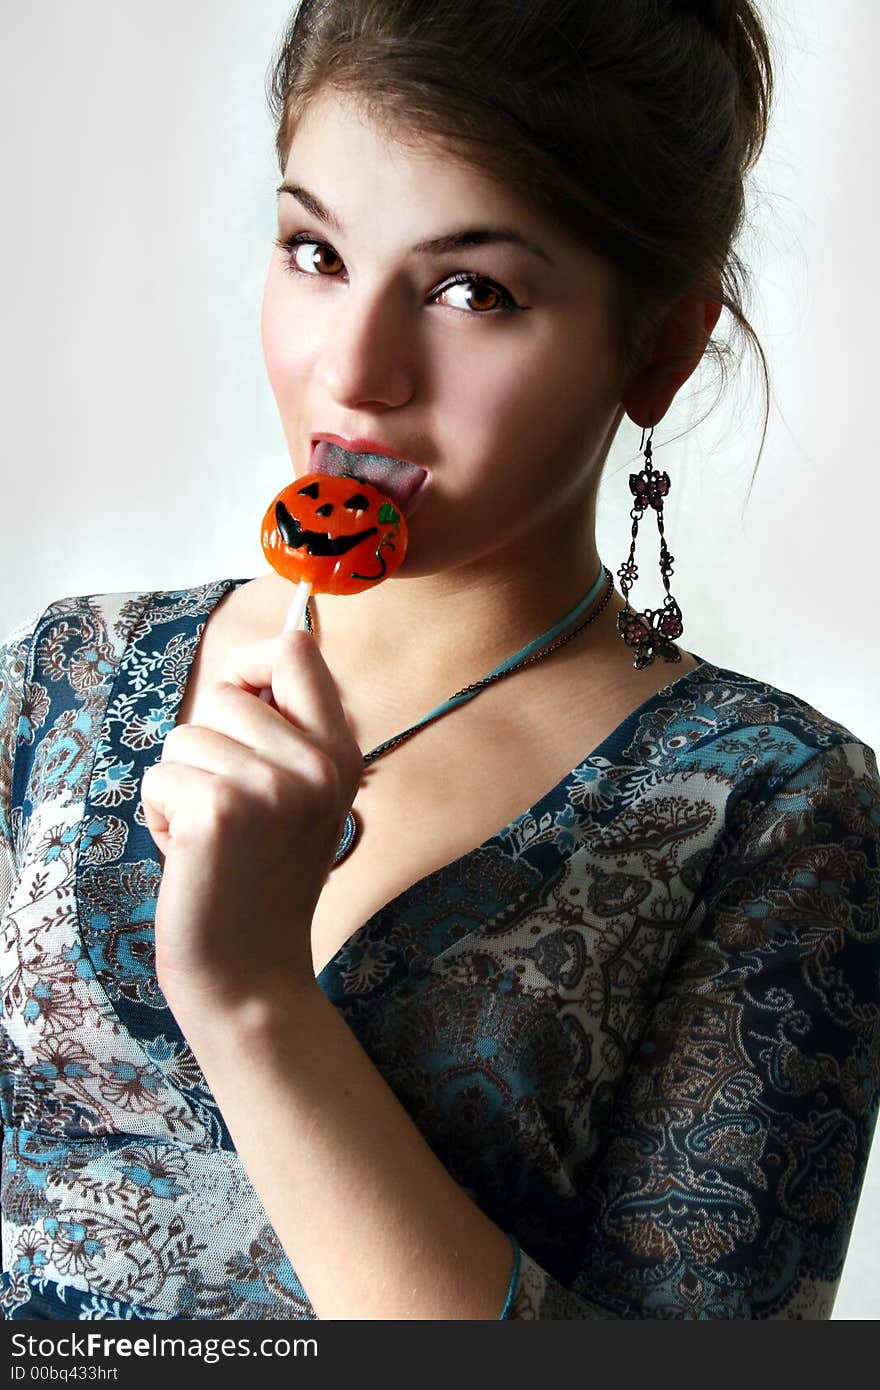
(679, 344)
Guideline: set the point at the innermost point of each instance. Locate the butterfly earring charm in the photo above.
(653, 631)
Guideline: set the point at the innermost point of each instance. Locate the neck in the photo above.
(412, 642)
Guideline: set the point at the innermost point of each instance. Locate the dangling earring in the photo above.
(653, 631)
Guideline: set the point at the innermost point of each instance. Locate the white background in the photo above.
(141, 440)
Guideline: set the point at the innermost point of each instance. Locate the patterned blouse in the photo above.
(640, 1025)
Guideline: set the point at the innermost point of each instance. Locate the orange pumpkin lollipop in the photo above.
(335, 533)
(335, 530)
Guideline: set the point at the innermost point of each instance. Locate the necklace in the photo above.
(532, 652)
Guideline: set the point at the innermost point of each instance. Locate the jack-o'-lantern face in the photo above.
(338, 533)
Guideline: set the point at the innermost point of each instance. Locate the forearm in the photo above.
(373, 1224)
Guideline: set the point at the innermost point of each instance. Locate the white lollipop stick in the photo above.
(294, 620)
(297, 610)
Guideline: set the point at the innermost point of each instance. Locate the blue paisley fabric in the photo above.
(640, 1025)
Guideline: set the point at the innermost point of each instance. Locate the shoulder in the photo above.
(758, 733)
(742, 767)
(797, 842)
(59, 667)
(99, 628)
(100, 618)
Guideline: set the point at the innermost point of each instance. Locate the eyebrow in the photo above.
(450, 241)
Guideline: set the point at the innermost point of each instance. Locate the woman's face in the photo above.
(510, 409)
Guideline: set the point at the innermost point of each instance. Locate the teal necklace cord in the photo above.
(528, 655)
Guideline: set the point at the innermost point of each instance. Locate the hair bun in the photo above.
(737, 26)
(718, 15)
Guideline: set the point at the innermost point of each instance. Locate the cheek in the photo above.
(560, 395)
(527, 403)
(484, 398)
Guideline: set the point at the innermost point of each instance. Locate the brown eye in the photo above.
(477, 295)
(318, 255)
(483, 296)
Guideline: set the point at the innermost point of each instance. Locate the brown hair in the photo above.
(630, 124)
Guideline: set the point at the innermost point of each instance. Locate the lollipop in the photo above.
(333, 531)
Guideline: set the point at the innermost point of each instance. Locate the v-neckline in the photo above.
(495, 841)
(498, 840)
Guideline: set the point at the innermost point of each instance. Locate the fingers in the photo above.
(169, 792)
(254, 769)
(305, 734)
(196, 805)
(303, 689)
(240, 722)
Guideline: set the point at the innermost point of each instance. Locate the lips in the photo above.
(397, 478)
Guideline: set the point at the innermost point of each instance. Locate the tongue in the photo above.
(397, 479)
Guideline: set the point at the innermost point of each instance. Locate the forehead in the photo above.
(340, 148)
(394, 191)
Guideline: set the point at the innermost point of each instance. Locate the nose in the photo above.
(367, 357)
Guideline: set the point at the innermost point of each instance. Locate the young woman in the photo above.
(616, 1058)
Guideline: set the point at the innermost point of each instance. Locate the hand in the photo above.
(247, 805)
